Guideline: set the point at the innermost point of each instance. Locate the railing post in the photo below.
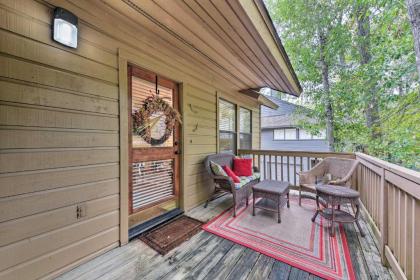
(383, 217)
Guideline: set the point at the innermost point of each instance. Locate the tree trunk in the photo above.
(327, 98)
(413, 7)
(371, 105)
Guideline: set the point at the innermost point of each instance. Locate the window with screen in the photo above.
(245, 133)
(278, 134)
(227, 126)
(290, 134)
(285, 134)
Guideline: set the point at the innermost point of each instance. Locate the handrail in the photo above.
(409, 174)
(296, 153)
(390, 196)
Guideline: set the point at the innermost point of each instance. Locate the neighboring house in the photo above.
(279, 130)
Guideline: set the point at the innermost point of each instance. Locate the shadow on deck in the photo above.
(206, 256)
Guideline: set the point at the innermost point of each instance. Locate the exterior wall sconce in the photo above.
(65, 27)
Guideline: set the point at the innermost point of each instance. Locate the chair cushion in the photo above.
(217, 169)
(231, 174)
(242, 166)
(246, 179)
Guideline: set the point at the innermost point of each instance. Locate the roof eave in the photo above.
(262, 99)
(270, 26)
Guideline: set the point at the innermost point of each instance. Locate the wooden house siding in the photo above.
(63, 132)
(59, 145)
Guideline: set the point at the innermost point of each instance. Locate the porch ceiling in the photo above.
(233, 35)
(235, 39)
(227, 43)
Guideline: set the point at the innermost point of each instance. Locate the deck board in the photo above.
(207, 256)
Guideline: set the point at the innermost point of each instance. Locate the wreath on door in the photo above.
(144, 119)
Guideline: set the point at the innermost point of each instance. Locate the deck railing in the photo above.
(390, 195)
(284, 165)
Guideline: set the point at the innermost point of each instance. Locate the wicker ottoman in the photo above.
(274, 194)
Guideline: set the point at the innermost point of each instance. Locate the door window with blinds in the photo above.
(245, 133)
(141, 89)
(227, 126)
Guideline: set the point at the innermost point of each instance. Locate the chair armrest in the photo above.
(225, 182)
(343, 181)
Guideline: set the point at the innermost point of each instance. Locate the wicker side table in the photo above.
(274, 194)
(334, 196)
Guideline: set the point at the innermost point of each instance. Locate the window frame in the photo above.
(234, 133)
(284, 134)
(274, 134)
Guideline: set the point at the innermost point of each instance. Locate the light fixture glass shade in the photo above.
(65, 27)
(65, 33)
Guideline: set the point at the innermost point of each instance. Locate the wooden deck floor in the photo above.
(206, 256)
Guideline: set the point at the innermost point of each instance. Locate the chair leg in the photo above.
(207, 203)
(317, 209)
(300, 196)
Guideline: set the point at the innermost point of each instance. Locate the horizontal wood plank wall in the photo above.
(59, 145)
(200, 137)
(60, 139)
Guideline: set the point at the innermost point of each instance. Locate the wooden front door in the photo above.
(153, 169)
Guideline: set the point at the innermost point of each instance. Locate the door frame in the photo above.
(150, 152)
(126, 58)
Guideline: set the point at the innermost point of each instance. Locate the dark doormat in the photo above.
(170, 235)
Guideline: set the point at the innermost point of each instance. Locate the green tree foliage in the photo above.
(389, 75)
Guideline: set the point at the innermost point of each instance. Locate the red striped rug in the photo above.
(296, 240)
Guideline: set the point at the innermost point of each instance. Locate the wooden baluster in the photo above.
(308, 163)
(281, 167)
(383, 217)
(415, 221)
(301, 164)
(259, 165)
(294, 171)
(265, 167)
(288, 169)
(275, 168)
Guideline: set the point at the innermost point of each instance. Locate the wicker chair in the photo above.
(225, 184)
(339, 168)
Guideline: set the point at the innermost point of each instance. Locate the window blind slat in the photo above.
(227, 126)
(245, 140)
(244, 120)
(227, 116)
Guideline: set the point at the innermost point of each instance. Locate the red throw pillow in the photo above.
(231, 174)
(242, 166)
